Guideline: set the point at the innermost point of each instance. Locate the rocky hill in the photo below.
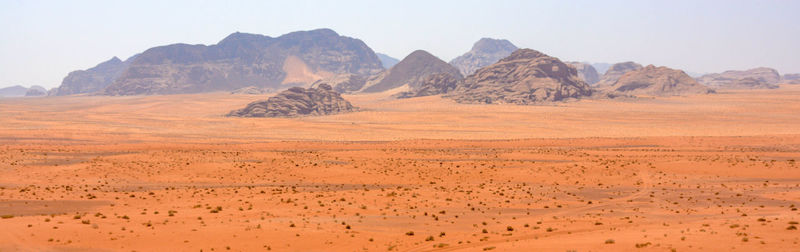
(586, 72)
(296, 102)
(409, 71)
(757, 78)
(658, 81)
(525, 77)
(615, 72)
(485, 52)
(36, 91)
(13, 91)
(241, 60)
(387, 61)
(94, 79)
(434, 84)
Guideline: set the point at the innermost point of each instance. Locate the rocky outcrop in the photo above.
(485, 52)
(525, 77)
(387, 61)
(757, 78)
(410, 71)
(343, 83)
(36, 91)
(791, 78)
(434, 84)
(586, 72)
(615, 72)
(93, 79)
(296, 102)
(241, 60)
(658, 81)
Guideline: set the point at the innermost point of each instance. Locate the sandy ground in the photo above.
(170, 173)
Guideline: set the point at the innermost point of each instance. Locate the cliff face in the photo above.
(93, 79)
(586, 72)
(242, 60)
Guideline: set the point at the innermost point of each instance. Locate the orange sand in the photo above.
(170, 173)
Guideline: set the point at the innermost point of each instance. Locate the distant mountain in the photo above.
(386, 60)
(343, 83)
(791, 78)
(586, 72)
(410, 71)
(241, 60)
(756, 78)
(13, 91)
(296, 102)
(36, 91)
(601, 67)
(657, 81)
(485, 52)
(93, 79)
(615, 72)
(524, 77)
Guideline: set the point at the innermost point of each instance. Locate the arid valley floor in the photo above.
(143, 173)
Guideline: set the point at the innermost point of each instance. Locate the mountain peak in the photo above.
(491, 45)
(317, 33)
(411, 71)
(241, 36)
(484, 52)
(420, 54)
(524, 53)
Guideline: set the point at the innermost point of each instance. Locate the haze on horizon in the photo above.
(45, 40)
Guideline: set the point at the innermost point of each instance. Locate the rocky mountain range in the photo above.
(296, 102)
(20, 91)
(242, 59)
(386, 60)
(524, 77)
(586, 72)
(756, 78)
(657, 81)
(94, 79)
(615, 72)
(791, 78)
(485, 52)
(409, 71)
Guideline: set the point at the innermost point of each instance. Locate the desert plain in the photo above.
(171, 173)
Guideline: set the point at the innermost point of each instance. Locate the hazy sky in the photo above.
(42, 41)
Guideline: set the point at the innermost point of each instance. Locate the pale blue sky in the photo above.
(42, 41)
